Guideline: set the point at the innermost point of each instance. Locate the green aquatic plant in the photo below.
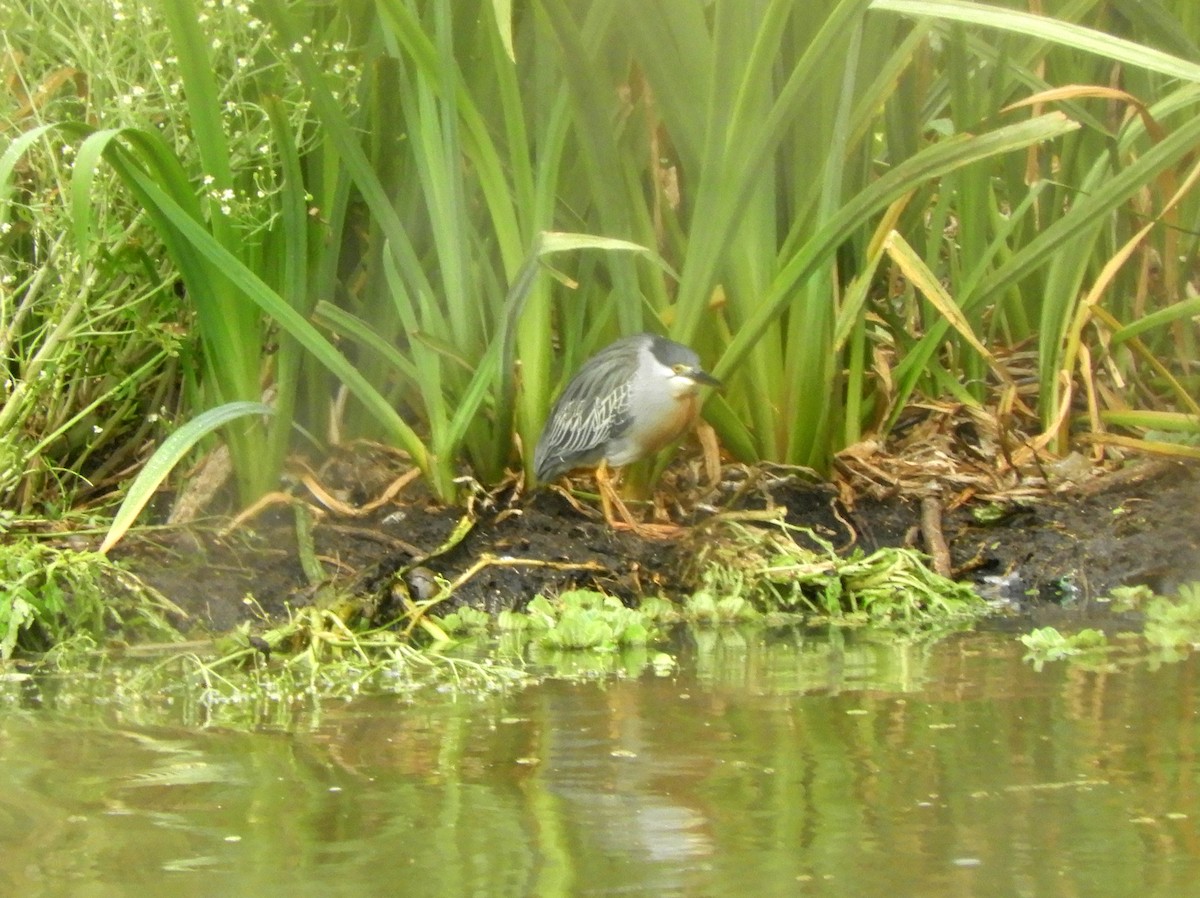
(1174, 622)
(660, 610)
(464, 620)
(585, 634)
(705, 607)
(580, 619)
(1130, 598)
(1048, 644)
(1171, 628)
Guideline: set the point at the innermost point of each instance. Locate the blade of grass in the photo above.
(166, 457)
(1047, 28)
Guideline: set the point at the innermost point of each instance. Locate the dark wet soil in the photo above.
(1061, 551)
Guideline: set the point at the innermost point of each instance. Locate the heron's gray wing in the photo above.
(593, 409)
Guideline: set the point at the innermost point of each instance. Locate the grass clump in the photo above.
(206, 204)
(743, 568)
(49, 595)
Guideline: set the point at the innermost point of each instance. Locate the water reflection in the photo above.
(770, 764)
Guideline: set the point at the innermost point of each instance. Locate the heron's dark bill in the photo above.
(703, 377)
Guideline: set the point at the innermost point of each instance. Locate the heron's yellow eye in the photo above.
(679, 369)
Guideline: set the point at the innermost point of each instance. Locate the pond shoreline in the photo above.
(1053, 555)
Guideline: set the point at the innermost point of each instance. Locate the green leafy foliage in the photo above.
(49, 595)
(187, 108)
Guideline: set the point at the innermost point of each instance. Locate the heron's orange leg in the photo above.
(611, 500)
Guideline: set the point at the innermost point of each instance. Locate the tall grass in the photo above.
(89, 343)
(1048, 231)
(191, 124)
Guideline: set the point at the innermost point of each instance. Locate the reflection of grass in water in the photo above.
(247, 691)
(796, 659)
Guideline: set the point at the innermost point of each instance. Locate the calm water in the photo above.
(766, 765)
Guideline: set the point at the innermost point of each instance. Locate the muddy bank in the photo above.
(1055, 550)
